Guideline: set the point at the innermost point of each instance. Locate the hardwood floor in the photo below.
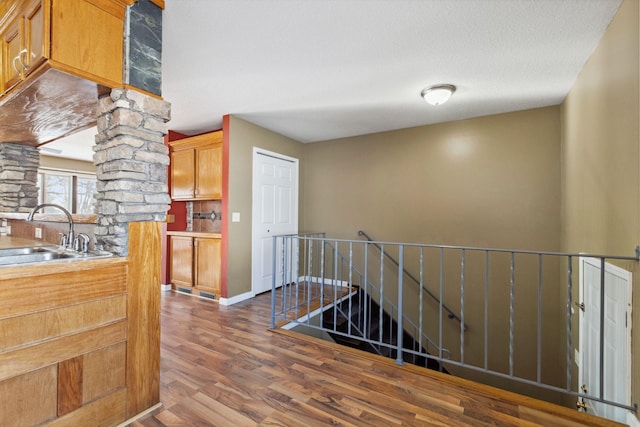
(221, 366)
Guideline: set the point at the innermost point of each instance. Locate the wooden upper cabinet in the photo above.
(36, 36)
(11, 47)
(209, 172)
(87, 38)
(196, 167)
(182, 174)
(83, 38)
(25, 40)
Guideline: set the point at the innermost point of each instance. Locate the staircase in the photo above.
(368, 327)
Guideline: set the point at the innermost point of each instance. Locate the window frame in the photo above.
(73, 190)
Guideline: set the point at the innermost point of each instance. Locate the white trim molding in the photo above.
(236, 299)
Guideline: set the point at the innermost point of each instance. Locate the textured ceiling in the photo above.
(315, 70)
(321, 69)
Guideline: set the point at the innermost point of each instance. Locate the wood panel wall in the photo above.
(80, 341)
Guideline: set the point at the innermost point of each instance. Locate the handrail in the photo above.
(384, 299)
(451, 314)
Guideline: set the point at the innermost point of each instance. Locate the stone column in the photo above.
(131, 161)
(18, 177)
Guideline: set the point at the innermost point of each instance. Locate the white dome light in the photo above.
(436, 95)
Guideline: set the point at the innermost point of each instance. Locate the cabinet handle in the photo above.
(14, 65)
(19, 57)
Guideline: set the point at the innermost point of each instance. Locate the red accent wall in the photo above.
(178, 209)
(225, 204)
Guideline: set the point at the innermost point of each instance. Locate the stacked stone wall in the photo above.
(131, 160)
(18, 177)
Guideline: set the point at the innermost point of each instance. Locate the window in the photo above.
(73, 191)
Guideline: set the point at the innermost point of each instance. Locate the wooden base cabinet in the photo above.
(195, 265)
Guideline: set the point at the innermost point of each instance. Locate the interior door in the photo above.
(616, 386)
(275, 211)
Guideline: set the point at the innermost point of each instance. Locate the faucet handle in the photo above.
(63, 240)
(81, 243)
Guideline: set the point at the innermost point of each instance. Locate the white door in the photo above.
(275, 211)
(617, 337)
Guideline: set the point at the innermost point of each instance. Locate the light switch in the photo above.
(235, 216)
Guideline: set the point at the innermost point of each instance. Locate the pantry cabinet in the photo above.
(196, 167)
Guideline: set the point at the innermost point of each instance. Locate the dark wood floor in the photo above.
(221, 366)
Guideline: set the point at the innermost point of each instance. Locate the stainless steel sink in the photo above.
(36, 254)
(27, 251)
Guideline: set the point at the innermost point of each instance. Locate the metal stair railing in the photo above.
(450, 315)
(521, 303)
(419, 336)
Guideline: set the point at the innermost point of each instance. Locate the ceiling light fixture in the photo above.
(439, 94)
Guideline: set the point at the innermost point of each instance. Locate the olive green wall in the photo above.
(601, 156)
(243, 136)
(66, 164)
(491, 181)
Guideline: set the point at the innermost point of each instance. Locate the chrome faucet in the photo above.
(67, 240)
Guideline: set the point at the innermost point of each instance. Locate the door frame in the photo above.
(257, 151)
(610, 268)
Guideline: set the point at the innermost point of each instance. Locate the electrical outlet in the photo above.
(38, 233)
(235, 216)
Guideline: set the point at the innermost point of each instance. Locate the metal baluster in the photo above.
(569, 298)
(539, 356)
(381, 293)
(400, 305)
(295, 259)
(308, 279)
(602, 307)
(420, 291)
(367, 319)
(350, 282)
(322, 267)
(335, 286)
(512, 299)
(273, 285)
(282, 285)
(462, 266)
(486, 310)
(440, 307)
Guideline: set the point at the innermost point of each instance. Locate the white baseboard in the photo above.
(632, 420)
(313, 279)
(165, 288)
(236, 299)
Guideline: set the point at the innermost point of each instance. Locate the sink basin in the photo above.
(26, 251)
(35, 254)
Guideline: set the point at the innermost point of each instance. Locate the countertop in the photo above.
(18, 242)
(195, 234)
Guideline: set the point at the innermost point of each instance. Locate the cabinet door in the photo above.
(182, 174)
(207, 262)
(209, 172)
(35, 36)
(181, 252)
(11, 45)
